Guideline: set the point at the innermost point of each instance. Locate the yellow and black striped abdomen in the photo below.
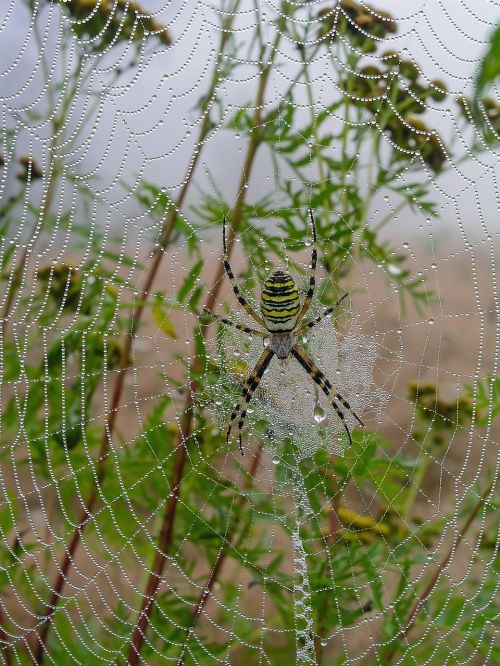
(280, 302)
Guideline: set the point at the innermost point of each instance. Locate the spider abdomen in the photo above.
(280, 303)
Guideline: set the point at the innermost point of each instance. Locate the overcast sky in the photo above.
(146, 126)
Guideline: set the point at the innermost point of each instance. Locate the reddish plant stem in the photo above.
(167, 526)
(86, 514)
(229, 543)
(166, 533)
(6, 649)
(423, 596)
(237, 214)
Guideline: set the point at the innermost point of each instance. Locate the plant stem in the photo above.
(180, 460)
(370, 191)
(53, 172)
(236, 217)
(352, 61)
(6, 649)
(171, 505)
(222, 555)
(166, 533)
(421, 469)
(86, 514)
(417, 607)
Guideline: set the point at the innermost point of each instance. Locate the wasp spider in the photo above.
(281, 317)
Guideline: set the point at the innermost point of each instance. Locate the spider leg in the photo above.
(228, 322)
(227, 267)
(246, 395)
(312, 273)
(327, 388)
(324, 314)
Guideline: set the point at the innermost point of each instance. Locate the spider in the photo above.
(281, 317)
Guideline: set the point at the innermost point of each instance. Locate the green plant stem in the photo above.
(423, 596)
(18, 271)
(285, 95)
(154, 578)
(421, 469)
(370, 191)
(86, 514)
(332, 537)
(351, 62)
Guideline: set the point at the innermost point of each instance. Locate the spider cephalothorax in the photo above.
(282, 313)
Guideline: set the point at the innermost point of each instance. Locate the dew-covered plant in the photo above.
(189, 527)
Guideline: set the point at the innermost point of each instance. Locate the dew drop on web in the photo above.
(318, 412)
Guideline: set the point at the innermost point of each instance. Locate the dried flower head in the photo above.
(359, 23)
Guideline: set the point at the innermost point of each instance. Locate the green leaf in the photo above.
(162, 320)
(490, 65)
(190, 281)
(8, 516)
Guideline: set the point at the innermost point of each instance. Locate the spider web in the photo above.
(122, 88)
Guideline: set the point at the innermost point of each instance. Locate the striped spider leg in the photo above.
(305, 327)
(227, 267)
(249, 388)
(324, 384)
(312, 274)
(253, 380)
(239, 327)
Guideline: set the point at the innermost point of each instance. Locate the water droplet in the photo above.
(431, 321)
(394, 269)
(249, 410)
(275, 461)
(406, 245)
(433, 266)
(318, 412)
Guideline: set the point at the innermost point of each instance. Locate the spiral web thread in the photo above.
(136, 102)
